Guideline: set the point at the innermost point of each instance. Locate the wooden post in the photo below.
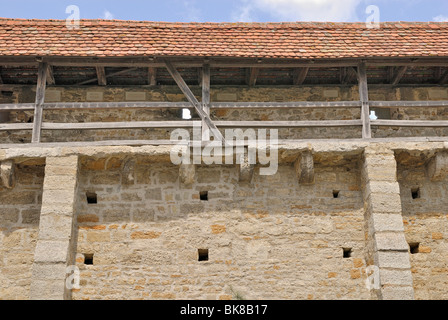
(40, 98)
(364, 97)
(152, 76)
(206, 100)
(101, 75)
(192, 99)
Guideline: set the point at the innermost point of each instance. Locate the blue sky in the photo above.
(229, 10)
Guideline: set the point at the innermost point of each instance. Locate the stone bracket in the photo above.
(246, 169)
(7, 169)
(304, 167)
(437, 167)
(187, 173)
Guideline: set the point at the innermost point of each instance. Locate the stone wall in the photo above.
(425, 213)
(224, 94)
(136, 231)
(19, 226)
(271, 239)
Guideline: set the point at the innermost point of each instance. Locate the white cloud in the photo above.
(440, 18)
(302, 10)
(107, 15)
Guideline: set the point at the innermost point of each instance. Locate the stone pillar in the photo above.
(55, 248)
(387, 249)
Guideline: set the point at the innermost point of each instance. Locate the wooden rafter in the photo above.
(107, 76)
(443, 78)
(398, 74)
(300, 75)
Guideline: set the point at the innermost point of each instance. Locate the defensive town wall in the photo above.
(347, 219)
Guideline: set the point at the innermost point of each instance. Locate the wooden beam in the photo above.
(192, 99)
(300, 75)
(288, 124)
(1, 78)
(205, 100)
(152, 76)
(411, 123)
(183, 124)
(15, 126)
(408, 104)
(364, 97)
(252, 75)
(7, 174)
(101, 76)
(304, 167)
(398, 74)
(50, 76)
(213, 105)
(40, 99)
(116, 125)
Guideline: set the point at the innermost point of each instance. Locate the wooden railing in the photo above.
(203, 109)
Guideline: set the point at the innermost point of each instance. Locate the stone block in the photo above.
(51, 251)
(397, 293)
(384, 203)
(387, 222)
(390, 241)
(54, 227)
(392, 259)
(395, 277)
(42, 271)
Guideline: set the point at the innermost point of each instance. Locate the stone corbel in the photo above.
(304, 167)
(246, 169)
(437, 167)
(187, 173)
(7, 174)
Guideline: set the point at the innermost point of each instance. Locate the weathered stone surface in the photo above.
(304, 167)
(187, 173)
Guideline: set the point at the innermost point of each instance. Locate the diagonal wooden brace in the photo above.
(192, 99)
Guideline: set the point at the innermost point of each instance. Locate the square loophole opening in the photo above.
(202, 254)
(88, 258)
(347, 253)
(203, 195)
(336, 194)
(92, 198)
(414, 247)
(415, 192)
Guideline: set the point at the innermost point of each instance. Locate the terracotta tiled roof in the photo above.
(113, 38)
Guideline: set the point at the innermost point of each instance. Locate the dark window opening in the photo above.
(415, 193)
(203, 255)
(347, 252)
(203, 195)
(414, 247)
(88, 258)
(7, 93)
(92, 198)
(336, 194)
